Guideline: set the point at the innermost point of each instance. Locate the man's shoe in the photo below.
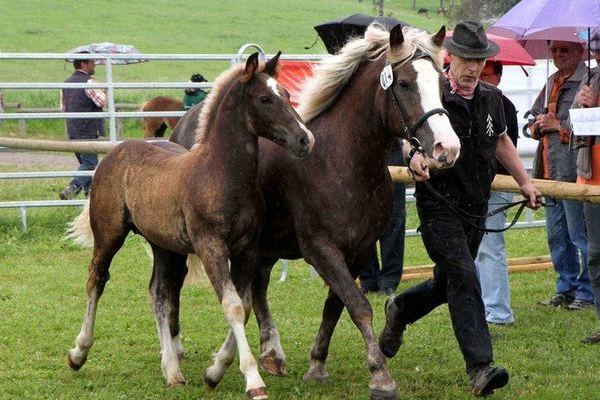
(578, 305)
(391, 336)
(594, 338)
(484, 380)
(558, 300)
(70, 192)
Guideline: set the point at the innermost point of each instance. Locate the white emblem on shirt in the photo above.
(490, 126)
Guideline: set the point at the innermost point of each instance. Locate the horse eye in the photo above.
(264, 99)
(403, 84)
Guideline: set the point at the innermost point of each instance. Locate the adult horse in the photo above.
(205, 201)
(156, 126)
(331, 207)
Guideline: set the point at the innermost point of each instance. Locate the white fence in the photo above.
(112, 114)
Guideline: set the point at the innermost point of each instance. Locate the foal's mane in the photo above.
(334, 72)
(221, 84)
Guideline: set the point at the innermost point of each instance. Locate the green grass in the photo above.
(42, 301)
(160, 26)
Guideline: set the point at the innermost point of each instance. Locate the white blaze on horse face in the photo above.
(444, 138)
(311, 137)
(272, 83)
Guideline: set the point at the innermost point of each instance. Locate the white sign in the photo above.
(386, 78)
(585, 121)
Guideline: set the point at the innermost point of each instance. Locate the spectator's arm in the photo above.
(96, 95)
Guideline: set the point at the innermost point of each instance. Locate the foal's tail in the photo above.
(80, 229)
(196, 273)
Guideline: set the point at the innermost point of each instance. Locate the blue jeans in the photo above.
(592, 216)
(491, 265)
(567, 241)
(87, 162)
(372, 278)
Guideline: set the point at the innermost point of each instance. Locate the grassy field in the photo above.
(42, 300)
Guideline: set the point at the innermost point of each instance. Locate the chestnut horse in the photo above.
(331, 207)
(205, 201)
(156, 126)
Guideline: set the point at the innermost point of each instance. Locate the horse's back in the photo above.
(184, 132)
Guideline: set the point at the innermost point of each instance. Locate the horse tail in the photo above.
(196, 273)
(80, 229)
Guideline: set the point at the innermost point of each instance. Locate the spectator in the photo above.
(588, 172)
(387, 279)
(194, 96)
(555, 160)
(477, 116)
(491, 257)
(82, 100)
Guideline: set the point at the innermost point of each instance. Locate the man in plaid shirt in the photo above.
(82, 100)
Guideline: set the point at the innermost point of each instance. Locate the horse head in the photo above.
(269, 113)
(411, 92)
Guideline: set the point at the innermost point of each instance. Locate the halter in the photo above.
(387, 80)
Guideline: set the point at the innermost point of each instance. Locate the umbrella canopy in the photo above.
(109, 48)
(337, 32)
(548, 19)
(511, 52)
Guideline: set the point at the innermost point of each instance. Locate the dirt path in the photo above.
(43, 160)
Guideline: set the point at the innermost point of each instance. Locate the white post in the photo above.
(111, 101)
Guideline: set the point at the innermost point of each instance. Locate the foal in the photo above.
(156, 126)
(205, 201)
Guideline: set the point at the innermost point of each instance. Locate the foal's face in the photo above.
(270, 113)
(418, 86)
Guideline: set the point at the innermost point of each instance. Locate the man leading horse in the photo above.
(477, 116)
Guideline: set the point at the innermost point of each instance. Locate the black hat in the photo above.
(469, 41)
(197, 78)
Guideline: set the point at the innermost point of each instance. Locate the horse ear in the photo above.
(251, 67)
(438, 38)
(396, 36)
(272, 65)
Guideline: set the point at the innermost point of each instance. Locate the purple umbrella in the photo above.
(110, 48)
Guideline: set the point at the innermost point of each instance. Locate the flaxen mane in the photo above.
(220, 85)
(333, 73)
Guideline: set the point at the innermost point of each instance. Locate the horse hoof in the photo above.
(210, 382)
(320, 377)
(272, 364)
(176, 384)
(257, 394)
(73, 365)
(378, 394)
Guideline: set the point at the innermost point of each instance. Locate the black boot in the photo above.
(391, 336)
(484, 380)
(70, 192)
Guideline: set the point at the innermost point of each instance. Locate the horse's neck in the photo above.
(354, 126)
(229, 145)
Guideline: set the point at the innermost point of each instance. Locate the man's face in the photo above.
(566, 55)
(466, 70)
(489, 76)
(88, 66)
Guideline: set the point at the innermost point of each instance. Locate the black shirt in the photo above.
(512, 128)
(478, 123)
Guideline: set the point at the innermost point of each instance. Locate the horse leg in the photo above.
(217, 269)
(332, 310)
(167, 278)
(224, 357)
(272, 358)
(160, 131)
(330, 263)
(104, 250)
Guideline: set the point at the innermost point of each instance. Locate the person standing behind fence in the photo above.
(194, 96)
(588, 172)
(82, 100)
(555, 160)
(491, 257)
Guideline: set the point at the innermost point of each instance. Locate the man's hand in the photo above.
(548, 123)
(531, 193)
(419, 167)
(585, 96)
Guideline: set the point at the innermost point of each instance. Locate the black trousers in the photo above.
(452, 245)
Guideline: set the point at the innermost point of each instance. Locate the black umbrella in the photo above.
(337, 32)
